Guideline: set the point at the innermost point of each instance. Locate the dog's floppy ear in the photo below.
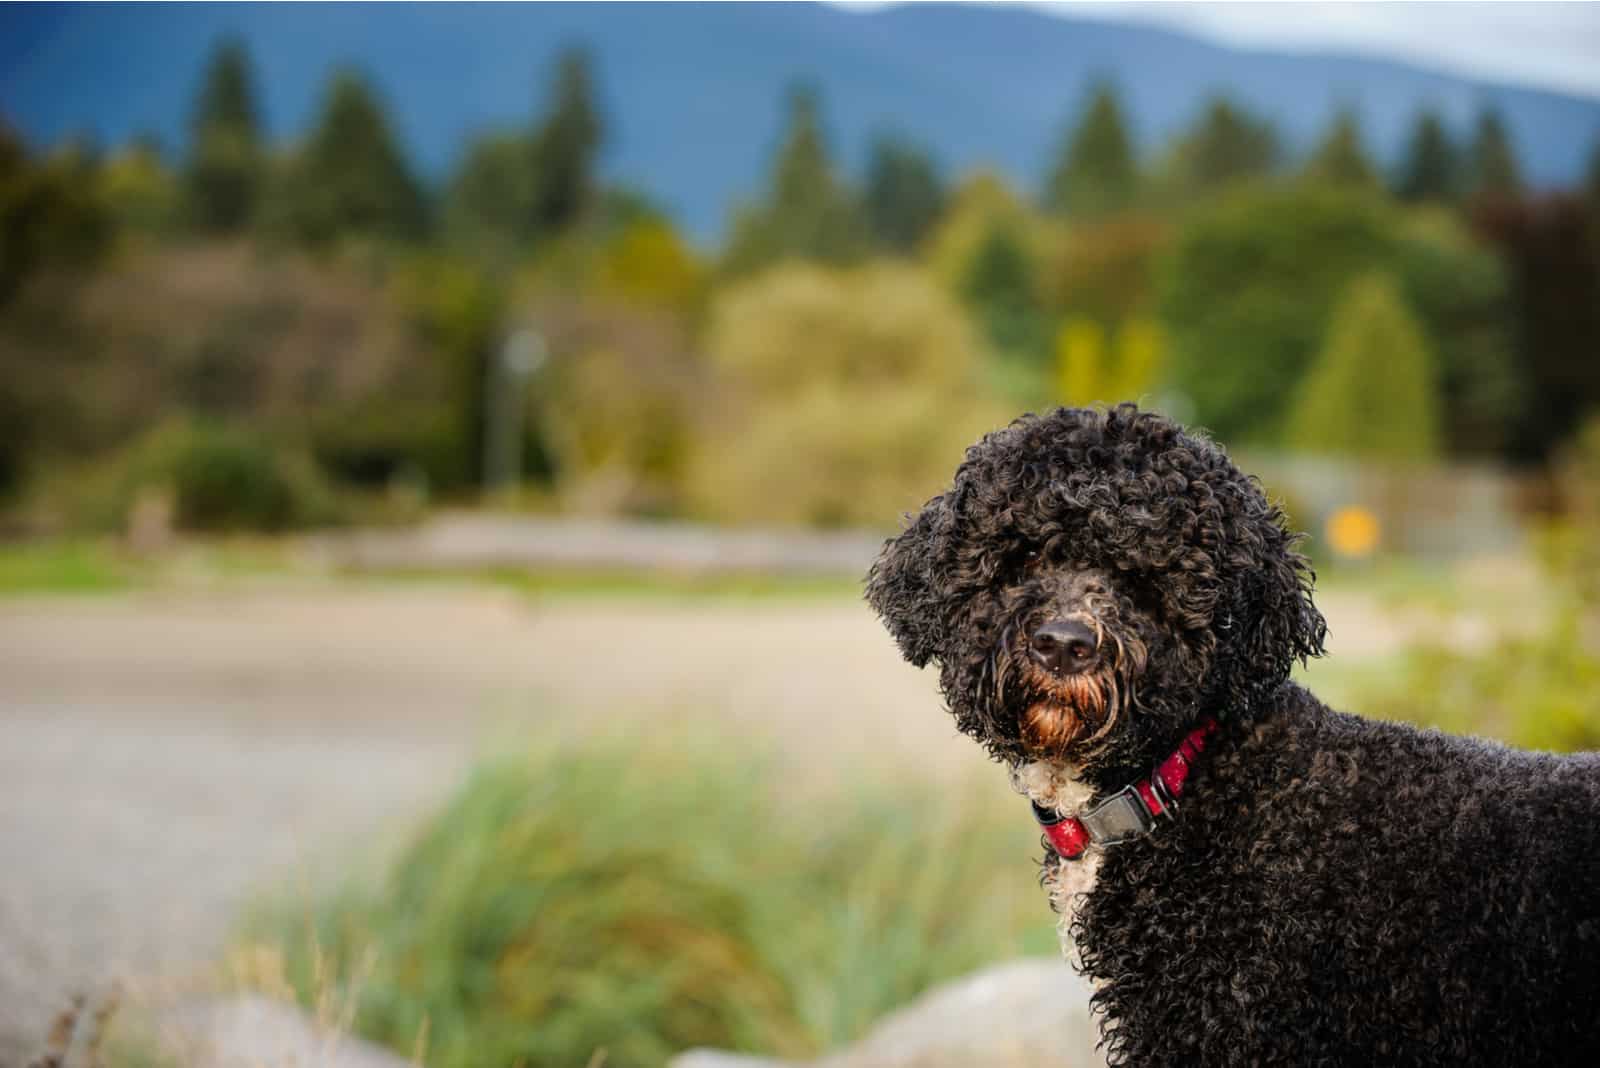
(1280, 623)
(902, 587)
(1289, 627)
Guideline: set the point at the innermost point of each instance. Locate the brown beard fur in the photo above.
(1074, 706)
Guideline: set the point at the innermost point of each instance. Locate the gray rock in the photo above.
(716, 1058)
(248, 1031)
(1027, 1012)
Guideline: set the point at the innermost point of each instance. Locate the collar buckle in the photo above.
(1120, 818)
(1164, 797)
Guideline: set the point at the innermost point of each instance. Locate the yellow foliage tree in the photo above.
(139, 190)
(846, 396)
(1088, 371)
(1372, 393)
(1081, 361)
(649, 263)
(982, 204)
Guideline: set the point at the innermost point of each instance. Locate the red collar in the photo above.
(1129, 813)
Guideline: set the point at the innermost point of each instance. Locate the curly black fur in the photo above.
(1336, 891)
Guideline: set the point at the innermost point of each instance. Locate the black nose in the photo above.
(1064, 646)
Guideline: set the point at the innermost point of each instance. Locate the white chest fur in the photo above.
(1053, 785)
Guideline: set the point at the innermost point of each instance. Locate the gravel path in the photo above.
(164, 755)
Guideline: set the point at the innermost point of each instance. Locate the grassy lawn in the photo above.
(587, 583)
(87, 566)
(65, 567)
(91, 566)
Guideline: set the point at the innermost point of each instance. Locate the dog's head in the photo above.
(1093, 584)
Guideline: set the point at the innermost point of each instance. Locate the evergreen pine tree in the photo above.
(1591, 188)
(51, 212)
(1342, 157)
(1494, 163)
(1592, 180)
(1000, 286)
(1371, 392)
(565, 147)
(904, 193)
(352, 177)
(1095, 173)
(489, 200)
(1227, 144)
(222, 183)
(803, 177)
(807, 213)
(139, 191)
(1431, 169)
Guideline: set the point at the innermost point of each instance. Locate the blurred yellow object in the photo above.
(1081, 363)
(1353, 531)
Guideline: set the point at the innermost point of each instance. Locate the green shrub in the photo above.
(1540, 691)
(1370, 393)
(646, 898)
(847, 396)
(1249, 287)
(219, 478)
(375, 443)
(62, 567)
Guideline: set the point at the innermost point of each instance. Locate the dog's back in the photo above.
(1338, 884)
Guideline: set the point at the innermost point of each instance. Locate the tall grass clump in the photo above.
(641, 899)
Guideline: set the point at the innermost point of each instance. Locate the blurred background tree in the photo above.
(1492, 163)
(904, 193)
(1211, 285)
(226, 166)
(1093, 368)
(847, 391)
(1370, 392)
(978, 205)
(646, 261)
(53, 219)
(564, 149)
(1226, 145)
(515, 188)
(488, 204)
(1554, 273)
(1247, 305)
(1000, 286)
(1095, 172)
(1591, 185)
(351, 178)
(808, 212)
(51, 212)
(1342, 156)
(1106, 270)
(141, 193)
(1431, 168)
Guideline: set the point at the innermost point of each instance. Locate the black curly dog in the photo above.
(1102, 590)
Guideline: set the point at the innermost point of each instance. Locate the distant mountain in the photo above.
(692, 92)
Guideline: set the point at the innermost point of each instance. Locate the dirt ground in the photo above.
(164, 756)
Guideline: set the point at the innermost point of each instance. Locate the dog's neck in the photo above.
(1061, 799)
(1055, 785)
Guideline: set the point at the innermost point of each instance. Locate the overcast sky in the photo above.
(1550, 45)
